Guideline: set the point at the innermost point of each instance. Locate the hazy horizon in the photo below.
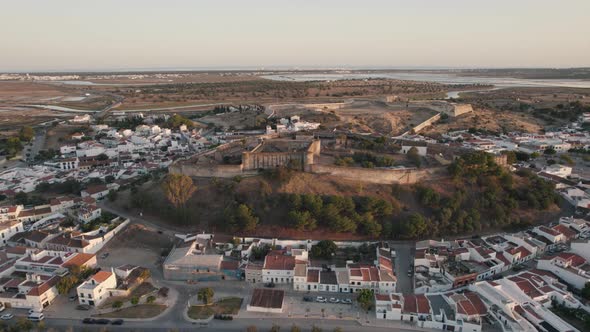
(149, 35)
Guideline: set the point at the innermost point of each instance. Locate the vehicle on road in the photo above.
(103, 321)
(346, 301)
(73, 298)
(270, 285)
(308, 298)
(85, 307)
(104, 255)
(36, 317)
(88, 321)
(321, 299)
(117, 322)
(7, 316)
(334, 300)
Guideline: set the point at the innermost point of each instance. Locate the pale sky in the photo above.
(135, 34)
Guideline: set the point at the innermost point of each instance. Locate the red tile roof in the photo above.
(101, 276)
(410, 305)
(79, 260)
(478, 304)
(575, 260)
(423, 304)
(465, 307)
(279, 262)
(313, 276)
(566, 231)
(549, 230)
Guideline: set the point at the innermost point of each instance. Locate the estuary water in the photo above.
(444, 78)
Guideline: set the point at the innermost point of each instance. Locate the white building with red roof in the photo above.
(95, 290)
(571, 268)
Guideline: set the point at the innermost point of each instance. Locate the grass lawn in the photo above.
(227, 306)
(139, 311)
(143, 289)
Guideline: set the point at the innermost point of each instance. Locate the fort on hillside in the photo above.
(298, 154)
(248, 157)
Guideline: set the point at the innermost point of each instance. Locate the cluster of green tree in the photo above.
(323, 249)
(569, 112)
(578, 316)
(45, 155)
(127, 123)
(26, 134)
(344, 161)
(23, 198)
(579, 150)
(377, 144)
(177, 120)
(67, 187)
(77, 275)
(11, 146)
(95, 224)
(369, 160)
(364, 215)
(515, 156)
(414, 156)
(240, 218)
(483, 189)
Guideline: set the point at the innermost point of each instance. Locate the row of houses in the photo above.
(444, 265)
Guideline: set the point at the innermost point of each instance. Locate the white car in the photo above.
(7, 316)
(321, 299)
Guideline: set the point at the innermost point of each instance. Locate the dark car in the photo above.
(270, 285)
(88, 321)
(102, 321)
(308, 298)
(83, 307)
(117, 322)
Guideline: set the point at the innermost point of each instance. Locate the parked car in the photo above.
(73, 298)
(102, 321)
(104, 255)
(334, 300)
(270, 285)
(7, 316)
(36, 317)
(346, 301)
(117, 322)
(321, 299)
(83, 307)
(308, 298)
(88, 321)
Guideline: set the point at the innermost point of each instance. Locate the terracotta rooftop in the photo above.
(279, 262)
(101, 276)
(313, 276)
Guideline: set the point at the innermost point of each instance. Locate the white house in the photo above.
(8, 228)
(96, 289)
(558, 170)
(87, 213)
(278, 269)
(571, 268)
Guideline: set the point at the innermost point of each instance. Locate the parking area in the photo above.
(321, 305)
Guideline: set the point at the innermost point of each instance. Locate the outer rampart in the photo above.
(374, 175)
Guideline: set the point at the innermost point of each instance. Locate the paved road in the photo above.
(404, 257)
(36, 145)
(262, 324)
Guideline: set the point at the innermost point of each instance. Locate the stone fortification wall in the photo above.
(373, 175)
(426, 123)
(213, 171)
